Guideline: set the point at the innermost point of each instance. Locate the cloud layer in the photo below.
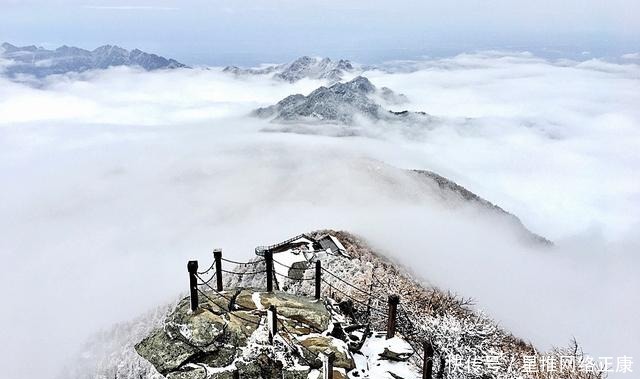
(113, 179)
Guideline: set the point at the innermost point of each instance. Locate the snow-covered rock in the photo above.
(230, 332)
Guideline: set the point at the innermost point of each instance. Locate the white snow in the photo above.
(289, 257)
(338, 244)
(257, 300)
(369, 364)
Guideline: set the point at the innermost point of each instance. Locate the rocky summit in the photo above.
(301, 68)
(40, 62)
(341, 103)
(230, 332)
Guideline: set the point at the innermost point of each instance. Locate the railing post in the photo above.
(268, 257)
(217, 256)
(393, 311)
(318, 278)
(192, 267)
(427, 367)
(327, 364)
(440, 373)
(272, 322)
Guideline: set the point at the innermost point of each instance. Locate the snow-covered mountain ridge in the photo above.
(40, 62)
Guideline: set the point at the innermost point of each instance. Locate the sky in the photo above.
(121, 176)
(251, 32)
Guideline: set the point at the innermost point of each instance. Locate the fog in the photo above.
(112, 180)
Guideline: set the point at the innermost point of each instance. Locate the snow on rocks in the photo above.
(372, 363)
(212, 344)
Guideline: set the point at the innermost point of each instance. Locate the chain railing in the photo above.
(361, 300)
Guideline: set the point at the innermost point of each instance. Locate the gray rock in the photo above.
(40, 62)
(164, 353)
(200, 329)
(198, 372)
(263, 366)
(298, 308)
(297, 373)
(321, 344)
(188, 373)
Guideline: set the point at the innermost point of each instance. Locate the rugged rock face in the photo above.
(341, 103)
(303, 67)
(39, 62)
(230, 332)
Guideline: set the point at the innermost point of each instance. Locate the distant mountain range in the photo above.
(303, 67)
(341, 103)
(40, 62)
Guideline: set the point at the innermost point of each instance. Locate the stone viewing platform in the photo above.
(284, 317)
(240, 334)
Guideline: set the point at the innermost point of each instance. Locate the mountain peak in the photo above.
(340, 103)
(7, 46)
(110, 49)
(360, 83)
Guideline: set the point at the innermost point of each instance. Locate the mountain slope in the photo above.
(452, 188)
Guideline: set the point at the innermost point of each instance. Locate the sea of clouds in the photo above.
(112, 180)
